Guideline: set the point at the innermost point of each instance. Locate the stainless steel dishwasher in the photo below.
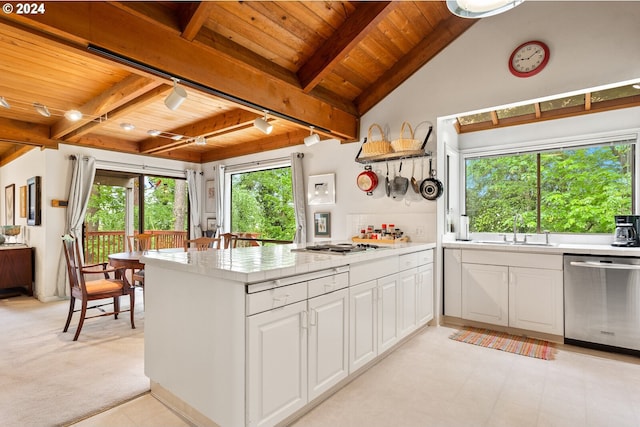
(602, 302)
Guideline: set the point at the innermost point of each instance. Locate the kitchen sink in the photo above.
(509, 243)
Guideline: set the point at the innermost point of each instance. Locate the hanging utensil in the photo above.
(431, 188)
(414, 182)
(387, 183)
(367, 181)
(400, 184)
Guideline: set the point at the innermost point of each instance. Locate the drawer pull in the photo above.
(281, 299)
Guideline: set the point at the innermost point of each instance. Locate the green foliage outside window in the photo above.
(262, 202)
(580, 190)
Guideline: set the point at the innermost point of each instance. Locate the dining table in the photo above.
(128, 260)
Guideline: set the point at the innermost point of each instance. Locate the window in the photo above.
(262, 203)
(574, 190)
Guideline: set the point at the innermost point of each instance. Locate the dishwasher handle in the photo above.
(597, 264)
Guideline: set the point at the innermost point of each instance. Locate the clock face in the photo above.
(529, 59)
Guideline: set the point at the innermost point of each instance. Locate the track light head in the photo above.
(312, 139)
(4, 102)
(73, 115)
(263, 124)
(200, 140)
(42, 109)
(176, 97)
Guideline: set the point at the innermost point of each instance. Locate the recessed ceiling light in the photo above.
(154, 132)
(73, 115)
(127, 126)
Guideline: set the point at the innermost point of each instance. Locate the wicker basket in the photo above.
(375, 147)
(405, 144)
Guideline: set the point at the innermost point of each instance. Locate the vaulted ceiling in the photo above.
(315, 63)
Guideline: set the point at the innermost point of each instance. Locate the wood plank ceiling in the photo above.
(307, 63)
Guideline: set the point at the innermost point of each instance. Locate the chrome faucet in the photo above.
(515, 227)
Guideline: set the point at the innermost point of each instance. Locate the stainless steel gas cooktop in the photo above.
(339, 248)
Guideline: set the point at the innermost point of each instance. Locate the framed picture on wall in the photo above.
(210, 196)
(33, 201)
(322, 224)
(23, 201)
(9, 204)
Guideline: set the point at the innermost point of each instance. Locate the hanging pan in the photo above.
(367, 181)
(431, 188)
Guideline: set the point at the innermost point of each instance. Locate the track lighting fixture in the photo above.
(42, 109)
(199, 140)
(313, 138)
(176, 97)
(4, 102)
(73, 115)
(154, 132)
(177, 137)
(263, 124)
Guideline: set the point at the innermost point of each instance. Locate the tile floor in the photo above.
(434, 381)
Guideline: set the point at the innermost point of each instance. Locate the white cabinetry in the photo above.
(387, 312)
(453, 282)
(424, 296)
(519, 290)
(363, 324)
(485, 293)
(295, 351)
(276, 364)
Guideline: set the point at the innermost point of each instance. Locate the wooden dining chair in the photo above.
(202, 243)
(93, 289)
(230, 240)
(140, 242)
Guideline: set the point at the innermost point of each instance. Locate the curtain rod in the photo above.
(262, 162)
(134, 166)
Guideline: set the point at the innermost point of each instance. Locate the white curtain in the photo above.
(194, 184)
(83, 173)
(299, 198)
(220, 197)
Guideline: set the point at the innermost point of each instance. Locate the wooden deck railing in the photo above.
(99, 244)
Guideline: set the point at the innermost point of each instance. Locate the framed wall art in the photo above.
(23, 201)
(9, 204)
(210, 196)
(322, 224)
(321, 189)
(34, 203)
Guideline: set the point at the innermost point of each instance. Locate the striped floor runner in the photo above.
(506, 342)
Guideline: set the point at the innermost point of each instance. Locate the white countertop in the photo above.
(255, 264)
(562, 248)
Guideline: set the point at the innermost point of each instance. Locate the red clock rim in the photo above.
(543, 64)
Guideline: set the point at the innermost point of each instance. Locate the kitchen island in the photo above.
(254, 336)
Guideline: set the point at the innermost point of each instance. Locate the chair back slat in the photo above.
(202, 243)
(71, 251)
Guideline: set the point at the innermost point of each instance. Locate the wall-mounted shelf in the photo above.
(396, 155)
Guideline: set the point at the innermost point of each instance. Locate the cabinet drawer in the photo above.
(407, 261)
(328, 284)
(275, 298)
(425, 257)
(370, 270)
(513, 259)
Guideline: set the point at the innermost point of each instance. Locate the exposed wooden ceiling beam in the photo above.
(14, 152)
(193, 17)
(334, 50)
(265, 144)
(121, 93)
(94, 22)
(26, 133)
(446, 32)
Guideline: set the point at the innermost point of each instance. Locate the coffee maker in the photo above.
(627, 228)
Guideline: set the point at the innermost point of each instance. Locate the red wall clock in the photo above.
(529, 59)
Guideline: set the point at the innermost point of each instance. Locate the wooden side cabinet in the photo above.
(16, 269)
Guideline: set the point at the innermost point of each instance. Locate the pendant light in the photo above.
(263, 124)
(176, 97)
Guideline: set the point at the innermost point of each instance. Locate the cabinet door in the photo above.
(536, 300)
(363, 321)
(425, 294)
(328, 341)
(387, 312)
(453, 282)
(485, 293)
(277, 364)
(407, 295)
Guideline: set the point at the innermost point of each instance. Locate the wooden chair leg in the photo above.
(116, 307)
(132, 302)
(72, 303)
(83, 313)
